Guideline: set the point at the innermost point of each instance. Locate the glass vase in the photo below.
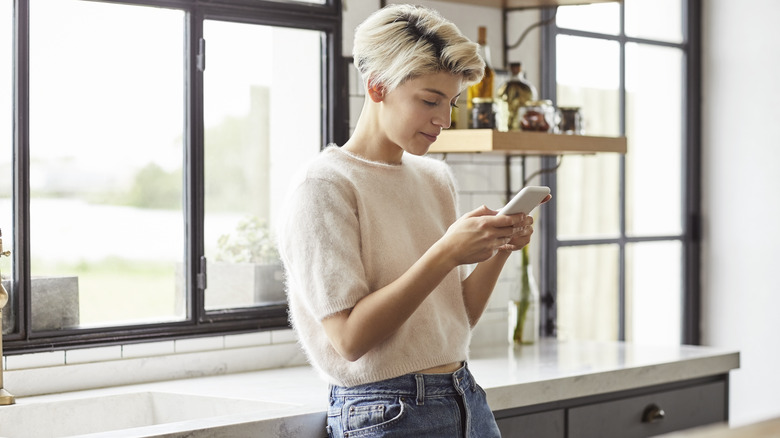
(524, 310)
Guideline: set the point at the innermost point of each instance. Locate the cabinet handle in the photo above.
(652, 414)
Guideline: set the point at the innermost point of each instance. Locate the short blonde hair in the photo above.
(401, 42)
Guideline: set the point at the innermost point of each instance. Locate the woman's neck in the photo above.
(369, 141)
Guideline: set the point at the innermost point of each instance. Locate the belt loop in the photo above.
(420, 389)
(472, 380)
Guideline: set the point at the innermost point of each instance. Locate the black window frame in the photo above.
(326, 18)
(691, 164)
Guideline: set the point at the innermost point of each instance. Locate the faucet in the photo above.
(5, 397)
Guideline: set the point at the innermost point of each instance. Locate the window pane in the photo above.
(106, 154)
(588, 306)
(600, 17)
(588, 196)
(654, 130)
(588, 76)
(262, 120)
(654, 292)
(6, 142)
(588, 186)
(654, 19)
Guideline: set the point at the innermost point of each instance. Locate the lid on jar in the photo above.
(545, 102)
(569, 108)
(482, 100)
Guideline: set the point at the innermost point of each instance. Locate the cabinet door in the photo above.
(682, 409)
(542, 425)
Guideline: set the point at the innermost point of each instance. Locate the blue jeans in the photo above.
(413, 405)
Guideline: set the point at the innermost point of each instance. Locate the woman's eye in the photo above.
(429, 103)
(453, 105)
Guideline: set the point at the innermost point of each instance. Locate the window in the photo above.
(6, 138)
(621, 257)
(144, 198)
(261, 119)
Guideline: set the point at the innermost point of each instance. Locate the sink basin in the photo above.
(80, 416)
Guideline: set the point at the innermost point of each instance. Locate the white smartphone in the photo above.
(526, 200)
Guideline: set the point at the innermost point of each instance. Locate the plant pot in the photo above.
(55, 304)
(232, 285)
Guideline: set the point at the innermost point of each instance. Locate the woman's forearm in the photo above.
(479, 285)
(381, 313)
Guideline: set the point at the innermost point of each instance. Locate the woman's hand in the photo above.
(523, 232)
(480, 234)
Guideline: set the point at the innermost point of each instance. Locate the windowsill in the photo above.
(74, 370)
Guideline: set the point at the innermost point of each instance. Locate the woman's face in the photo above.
(413, 114)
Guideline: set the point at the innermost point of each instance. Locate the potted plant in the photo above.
(247, 269)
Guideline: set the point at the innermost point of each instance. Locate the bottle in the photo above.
(483, 89)
(524, 312)
(514, 94)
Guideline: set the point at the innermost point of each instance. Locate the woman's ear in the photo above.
(376, 91)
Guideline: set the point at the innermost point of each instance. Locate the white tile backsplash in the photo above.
(247, 339)
(479, 177)
(284, 336)
(492, 328)
(98, 354)
(148, 349)
(199, 344)
(35, 360)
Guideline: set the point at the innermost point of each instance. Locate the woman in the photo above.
(374, 251)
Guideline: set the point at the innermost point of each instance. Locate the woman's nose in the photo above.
(444, 119)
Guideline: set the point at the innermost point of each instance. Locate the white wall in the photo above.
(741, 178)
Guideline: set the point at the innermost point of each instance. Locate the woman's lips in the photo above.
(430, 137)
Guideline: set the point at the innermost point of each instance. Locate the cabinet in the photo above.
(637, 413)
(550, 424)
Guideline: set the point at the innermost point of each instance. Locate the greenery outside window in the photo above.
(138, 161)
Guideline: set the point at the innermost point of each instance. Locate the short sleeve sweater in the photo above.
(352, 226)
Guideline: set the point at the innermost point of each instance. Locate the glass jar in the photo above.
(570, 121)
(537, 116)
(513, 94)
(482, 113)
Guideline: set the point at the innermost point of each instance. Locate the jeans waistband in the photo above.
(416, 385)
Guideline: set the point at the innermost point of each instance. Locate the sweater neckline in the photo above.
(364, 160)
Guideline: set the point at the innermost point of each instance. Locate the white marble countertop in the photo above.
(762, 429)
(512, 377)
(559, 370)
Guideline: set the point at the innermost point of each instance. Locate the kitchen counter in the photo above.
(762, 429)
(552, 370)
(513, 378)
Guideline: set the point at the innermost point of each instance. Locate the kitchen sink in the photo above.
(91, 415)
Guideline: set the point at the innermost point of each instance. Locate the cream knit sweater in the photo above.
(352, 226)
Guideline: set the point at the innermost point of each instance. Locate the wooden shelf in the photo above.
(524, 143)
(527, 4)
